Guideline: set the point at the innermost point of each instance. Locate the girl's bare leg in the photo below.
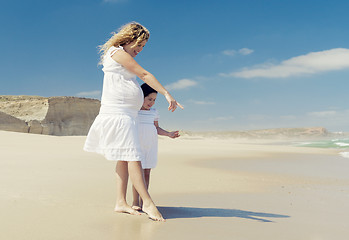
(137, 201)
(121, 189)
(136, 205)
(147, 176)
(136, 174)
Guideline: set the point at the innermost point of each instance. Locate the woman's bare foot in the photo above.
(153, 213)
(126, 209)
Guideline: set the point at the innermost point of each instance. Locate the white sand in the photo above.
(207, 189)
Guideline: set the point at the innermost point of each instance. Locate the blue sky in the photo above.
(234, 65)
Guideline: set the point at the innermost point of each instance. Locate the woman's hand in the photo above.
(172, 102)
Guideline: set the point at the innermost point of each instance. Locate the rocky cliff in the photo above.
(60, 116)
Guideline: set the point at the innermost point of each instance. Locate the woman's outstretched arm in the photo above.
(130, 64)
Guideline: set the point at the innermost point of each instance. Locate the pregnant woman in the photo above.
(114, 133)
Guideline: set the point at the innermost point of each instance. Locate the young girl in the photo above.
(114, 133)
(148, 132)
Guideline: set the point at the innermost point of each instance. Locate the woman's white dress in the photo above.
(149, 137)
(114, 133)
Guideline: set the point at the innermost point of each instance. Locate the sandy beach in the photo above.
(206, 189)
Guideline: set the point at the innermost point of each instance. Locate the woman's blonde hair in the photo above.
(130, 32)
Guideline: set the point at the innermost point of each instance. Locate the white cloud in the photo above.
(229, 52)
(311, 63)
(242, 51)
(202, 102)
(181, 84)
(94, 94)
(322, 114)
(245, 51)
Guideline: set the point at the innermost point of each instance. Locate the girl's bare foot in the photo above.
(137, 208)
(126, 209)
(153, 213)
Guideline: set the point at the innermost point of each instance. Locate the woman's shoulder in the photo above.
(109, 64)
(116, 47)
(113, 49)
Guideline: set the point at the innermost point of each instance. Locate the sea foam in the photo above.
(342, 144)
(344, 154)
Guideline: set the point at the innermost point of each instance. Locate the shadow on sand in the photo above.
(191, 212)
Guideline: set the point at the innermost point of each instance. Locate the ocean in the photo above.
(338, 143)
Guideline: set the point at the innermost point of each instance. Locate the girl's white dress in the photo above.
(149, 137)
(114, 133)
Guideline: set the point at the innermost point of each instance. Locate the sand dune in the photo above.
(206, 188)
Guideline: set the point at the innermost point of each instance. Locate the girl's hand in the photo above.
(174, 134)
(172, 102)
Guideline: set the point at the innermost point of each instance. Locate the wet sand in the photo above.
(206, 189)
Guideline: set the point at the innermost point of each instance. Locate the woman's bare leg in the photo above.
(136, 174)
(121, 189)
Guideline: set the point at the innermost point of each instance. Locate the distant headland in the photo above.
(69, 116)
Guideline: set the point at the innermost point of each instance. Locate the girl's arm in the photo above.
(130, 64)
(163, 132)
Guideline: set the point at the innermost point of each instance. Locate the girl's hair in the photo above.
(130, 32)
(147, 89)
